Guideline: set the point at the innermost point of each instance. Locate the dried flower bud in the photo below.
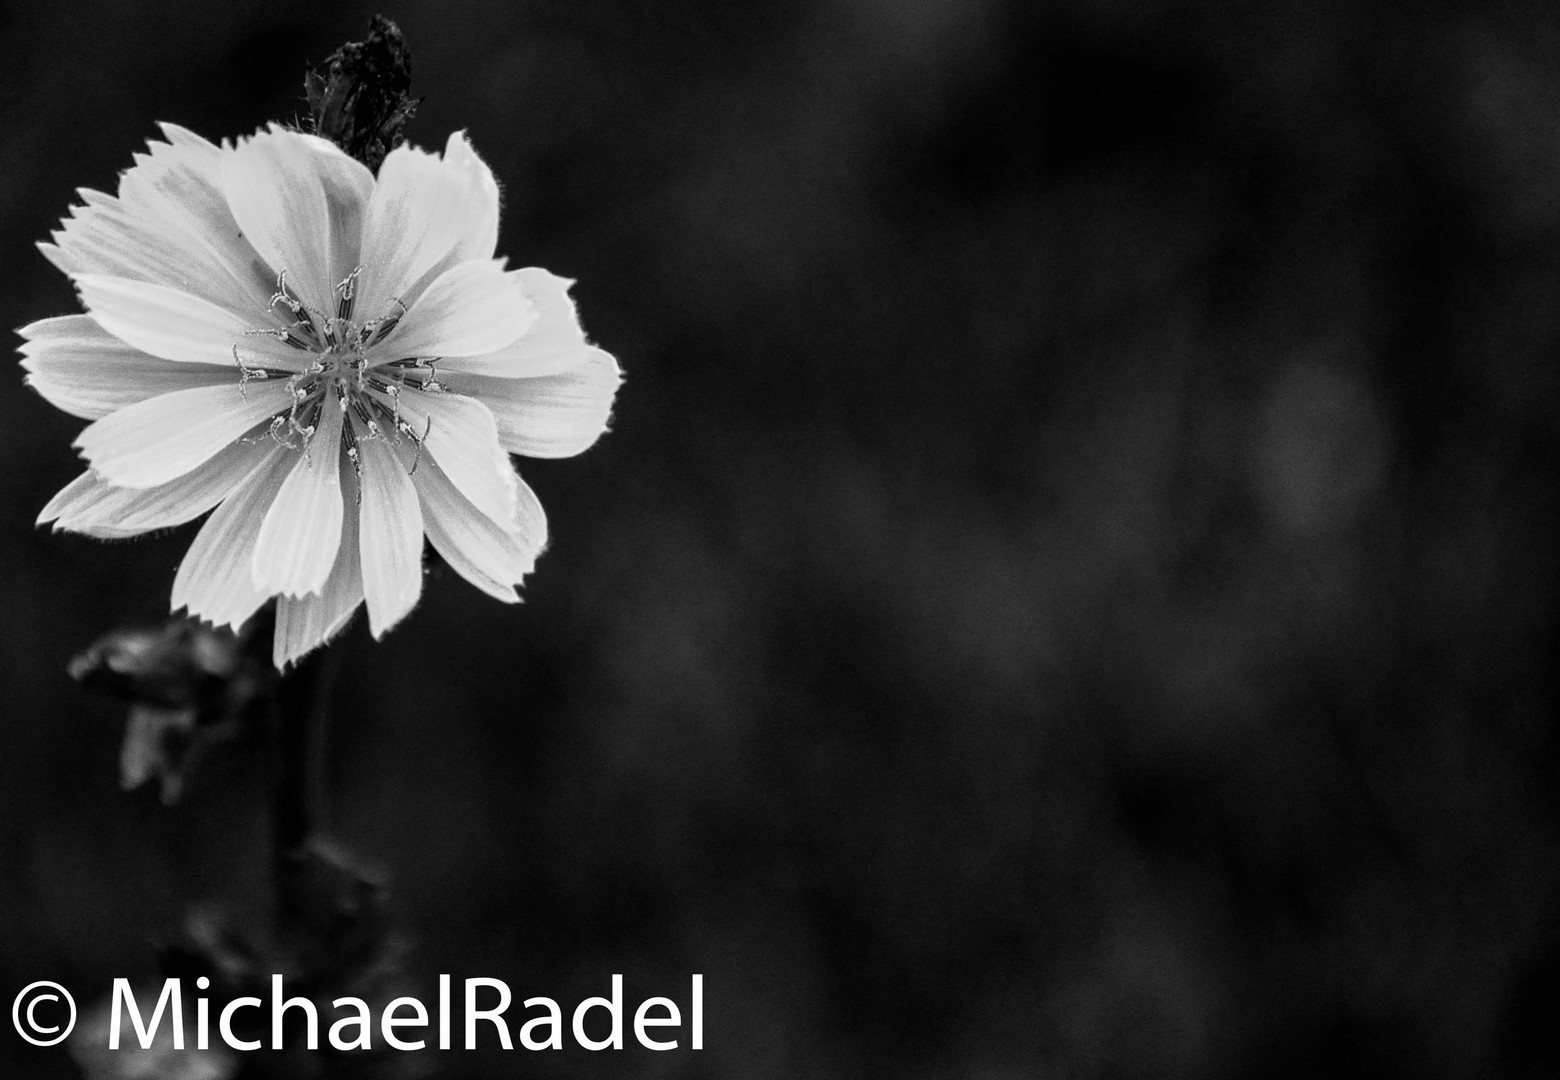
(358, 97)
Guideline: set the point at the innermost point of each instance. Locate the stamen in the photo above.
(375, 330)
(394, 391)
(406, 429)
(367, 391)
(346, 294)
(279, 425)
(284, 296)
(350, 436)
(360, 410)
(245, 373)
(303, 314)
(306, 431)
(300, 395)
(431, 384)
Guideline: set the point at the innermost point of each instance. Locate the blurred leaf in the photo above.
(190, 686)
(160, 1061)
(159, 743)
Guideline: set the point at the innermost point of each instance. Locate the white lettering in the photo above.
(225, 1023)
(278, 1007)
(389, 1021)
(614, 1009)
(362, 1021)
(169, 999)
(473, 1014)
(643, 1019)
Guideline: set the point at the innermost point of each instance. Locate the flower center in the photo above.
(350, 369)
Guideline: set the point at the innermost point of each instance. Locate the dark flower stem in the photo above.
(301, 715)
(300, 725)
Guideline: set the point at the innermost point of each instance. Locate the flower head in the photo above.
(331, 362)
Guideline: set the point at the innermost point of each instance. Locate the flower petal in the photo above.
(84, 370)
(170, 225)
(392, 536)
(305, 623)
(178, 326)
(85, 493)
(553, 416)
(157, 440)
(469, 309)
(426, 215)
(302, 530)
(491, 558)
(214, 581)
(91, 505)
(479, 234)
(300, 201)
(463, 438)
(554, 342)
(180, 183)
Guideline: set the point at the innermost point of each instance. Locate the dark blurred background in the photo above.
(1068, 592)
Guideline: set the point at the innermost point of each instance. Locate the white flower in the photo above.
(334, 364)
